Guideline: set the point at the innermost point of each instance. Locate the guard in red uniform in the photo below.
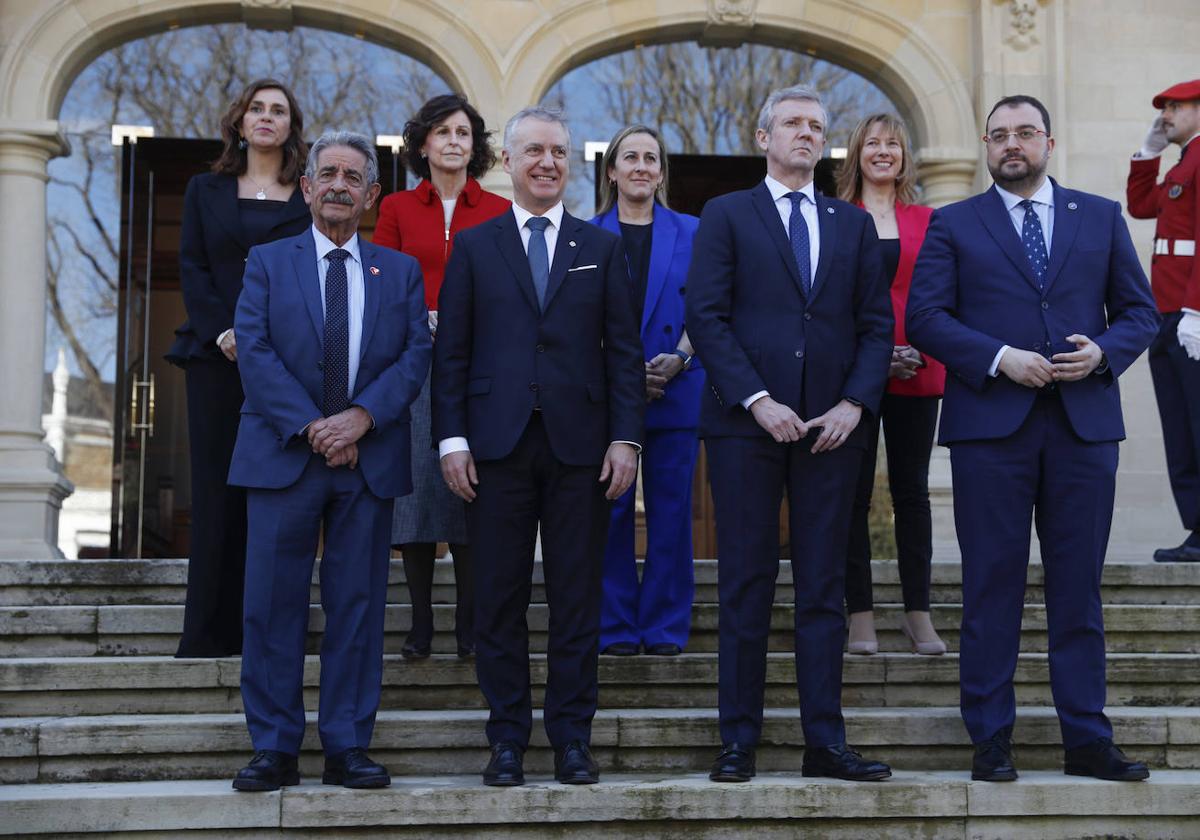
(1175, 278)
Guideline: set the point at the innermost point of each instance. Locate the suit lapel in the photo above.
(305, 260)
(508, 243)
(827, 224)
(565, 250)
(662, 248)
(998, 224)
(221, 198)
(760, 197)
(1066, 225)
(368, 254)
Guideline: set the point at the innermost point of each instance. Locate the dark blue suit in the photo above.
(292, 493)
(659, 608)
(1019, 454)
(758, 329)
(539, 393)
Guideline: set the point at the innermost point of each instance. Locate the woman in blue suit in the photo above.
(655, 613)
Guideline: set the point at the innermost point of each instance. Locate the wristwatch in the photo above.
(687, 360)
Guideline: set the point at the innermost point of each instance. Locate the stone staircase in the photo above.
(102, 731)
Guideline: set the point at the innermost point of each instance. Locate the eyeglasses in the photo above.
(1025, 135)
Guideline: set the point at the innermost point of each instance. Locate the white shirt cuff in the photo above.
(1144, 154)
(636, 446)
(454, 444)
(753, 398)
(995, 368)
(221, 337)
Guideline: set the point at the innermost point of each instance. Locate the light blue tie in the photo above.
(539, 257)
(798, 233)
(1034, 242)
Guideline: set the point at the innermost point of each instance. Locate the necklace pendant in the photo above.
(261, 195)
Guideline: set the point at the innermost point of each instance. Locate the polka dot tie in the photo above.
(1035, 243)
(798, 233)
(337, 334)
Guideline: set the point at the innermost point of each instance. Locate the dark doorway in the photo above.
(151, 501)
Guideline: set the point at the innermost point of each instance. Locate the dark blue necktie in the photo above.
(798, 233)
(337, 334)
(539, 256)
(1034, 242)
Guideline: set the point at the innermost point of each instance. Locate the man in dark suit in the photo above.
(788, 308)
(333, 346)
(1033, 297)
(538, 398)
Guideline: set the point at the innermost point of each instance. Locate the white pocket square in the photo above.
(582, 268)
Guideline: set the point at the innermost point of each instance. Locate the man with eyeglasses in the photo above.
(1175, 279)
(1033, 296)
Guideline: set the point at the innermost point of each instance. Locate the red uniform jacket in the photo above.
(1176, 204)
(412, 221)
(930, 381)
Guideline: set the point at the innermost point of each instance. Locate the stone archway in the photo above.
(502, 62)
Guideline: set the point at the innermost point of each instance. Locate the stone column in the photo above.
(31, 487)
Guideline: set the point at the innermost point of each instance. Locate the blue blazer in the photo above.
(973, 291)
(757, 329)
(280, 327)
(662, 315)
(499, 356)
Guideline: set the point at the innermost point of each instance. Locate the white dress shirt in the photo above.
(355, 295)
(808, 210)
(1043, 206)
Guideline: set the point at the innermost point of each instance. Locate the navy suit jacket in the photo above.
(757, 329)
(497, 355)
(973, 291)
(280, 329)
(663, 313)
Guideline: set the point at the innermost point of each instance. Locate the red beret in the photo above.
(1182, 92)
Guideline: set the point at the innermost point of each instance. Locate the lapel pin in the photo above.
(572, 243)
(1071, 205)
(1175, 191)
(374, 271)
(829, 210)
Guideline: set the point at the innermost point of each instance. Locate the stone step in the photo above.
(125, 630)
(111, 582)
(935, 805)
(164, 685)
(197, 746)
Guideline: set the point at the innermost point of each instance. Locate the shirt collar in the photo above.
(554, 214)
(325, 245)
(778, 190)
(1044, 195)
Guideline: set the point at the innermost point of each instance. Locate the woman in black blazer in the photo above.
(251, 196)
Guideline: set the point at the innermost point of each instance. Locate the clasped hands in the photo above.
(785, 426)
(619, 470)
(336, 437)
(1034, 370)
(659, 371)
(906, 360)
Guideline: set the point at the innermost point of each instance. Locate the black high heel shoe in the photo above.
(416, 648)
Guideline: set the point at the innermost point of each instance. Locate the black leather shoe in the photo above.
(993, 759)
(353, 768)
(268, 770)
(465, 651)
(416, 648)
(574, 765)
(841, 762)
(1104, 760)
(621, 649)
(504, 769)
(1180, 554)
(664, 649)
(734, 764)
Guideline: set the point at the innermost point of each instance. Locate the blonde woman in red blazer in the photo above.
(879, 175)
(446, 143)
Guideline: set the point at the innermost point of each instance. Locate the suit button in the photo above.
(799, 354)
(681, 288)
(667, 328)
(1045, 305)
(533, 386)
(541, 348)
(807, 316)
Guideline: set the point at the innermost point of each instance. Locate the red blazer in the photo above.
(930, 381)
(1176, 204)
(412, 221)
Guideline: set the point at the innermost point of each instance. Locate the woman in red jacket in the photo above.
(879, 175)
(446, 143)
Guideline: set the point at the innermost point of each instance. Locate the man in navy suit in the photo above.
(538, 400)
(333, 346)
(1033, 297)
(788, 308)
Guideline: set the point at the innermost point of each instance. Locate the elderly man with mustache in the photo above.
(333, 347)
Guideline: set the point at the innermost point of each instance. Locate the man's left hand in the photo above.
(1188, 333)
(836, 425)
(338, 431)
(347, 456)
(1069, 367)
(620, 464)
